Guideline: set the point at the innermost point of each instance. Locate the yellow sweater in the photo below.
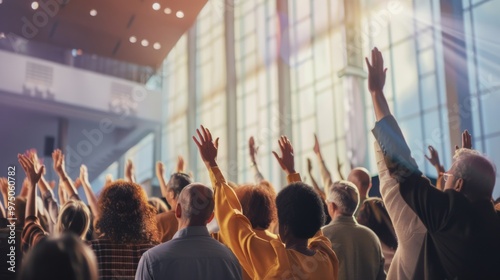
(262, 259)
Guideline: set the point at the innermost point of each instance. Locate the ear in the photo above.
(459, 183)
(211, 217)
(178, 211)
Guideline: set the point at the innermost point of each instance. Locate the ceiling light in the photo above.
(1, 1)
(132, 39)
(2, 35)
(156, 46)
(93, 12)
(144, 43)
(156, 6)
(179, 14)
(34, 5)
(167, 11)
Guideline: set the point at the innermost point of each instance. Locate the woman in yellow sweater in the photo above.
(304, 253)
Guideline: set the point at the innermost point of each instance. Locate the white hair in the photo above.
(345, 196)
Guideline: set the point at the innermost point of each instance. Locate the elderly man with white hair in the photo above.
(357, 247)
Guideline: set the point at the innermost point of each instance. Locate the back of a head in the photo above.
(300, 209)
(74, 217)
(197, 204)
(178, 181)
(65, 257)
(478, 173)
(361, 178)
(345, 196)
(125, 214)
(258, 205)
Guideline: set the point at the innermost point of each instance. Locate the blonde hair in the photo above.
(74, 217)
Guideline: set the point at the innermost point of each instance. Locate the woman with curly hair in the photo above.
(126, 227)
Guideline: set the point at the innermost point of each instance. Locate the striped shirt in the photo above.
(118, 261)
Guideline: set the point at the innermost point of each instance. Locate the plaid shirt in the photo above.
(118, 261)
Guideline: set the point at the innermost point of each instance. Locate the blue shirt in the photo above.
(191, 254)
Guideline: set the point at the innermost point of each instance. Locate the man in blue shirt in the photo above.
(192, 253)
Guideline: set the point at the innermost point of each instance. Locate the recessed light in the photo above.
(132, 39)
(93, 12)
(144, 43)
(34, 5)
(2, 35)
(179, 14)
(156, 46)
(156, 6)
(167, 11)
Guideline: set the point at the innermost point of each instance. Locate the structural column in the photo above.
(353, 77)
(455, 70)
(283, 63)
(231, 102)
(192, 98)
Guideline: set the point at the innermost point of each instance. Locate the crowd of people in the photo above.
(327, 230)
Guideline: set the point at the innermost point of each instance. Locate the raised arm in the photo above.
(160, 171)
(430, 205)
(252, 149)
(33, 176)
(129, 171)
(253, 253)
(89, 193)
(64, 179)
(326, 176)
(434, 160)
(4, 188)
(314, 183)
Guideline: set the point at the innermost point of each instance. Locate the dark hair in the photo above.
(300, 209)
(65, 257)
(374, 215)
(258, 205)
(126, 216)
(178, 181)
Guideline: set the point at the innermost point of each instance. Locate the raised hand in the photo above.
(160, 169)
(316, 147)
(286, 160)
(109, 179)
(129, 171)
(58, 158)
(376, 72)
(376, 82)
(206, 146)
(181, 165)
(309, 165)
(252, 149)
(466, 140)
(84, 175)
(33, 174)
(434, 157)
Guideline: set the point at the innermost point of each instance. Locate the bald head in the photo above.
(361, 178)
(196, 204)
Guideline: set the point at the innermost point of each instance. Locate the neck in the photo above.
(189, 223)
(363, 196)
(299, 245)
